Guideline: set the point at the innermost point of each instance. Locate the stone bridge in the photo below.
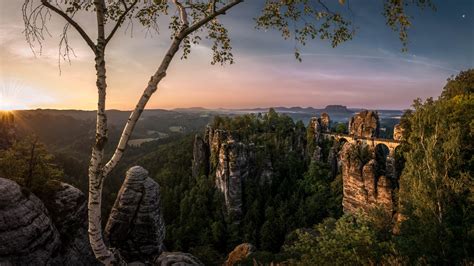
(391, 144)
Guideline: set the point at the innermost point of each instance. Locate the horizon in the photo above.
(205, 108)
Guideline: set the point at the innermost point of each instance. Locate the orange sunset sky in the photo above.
(369, 71)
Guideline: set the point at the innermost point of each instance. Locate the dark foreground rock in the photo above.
(176, 259)
(27, 234)
(31, 234)
(135, 226)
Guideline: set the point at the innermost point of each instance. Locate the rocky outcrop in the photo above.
(135, 226)
(230, 161)
(200, 157)
(7, 129)
(232, 169)
(239, 253)
(27, 234)
(56, 234)
(365, 124)
(314, 127)
(362, 188)
(398, 132)
(325, 122)
(69, 213)
(176, 259)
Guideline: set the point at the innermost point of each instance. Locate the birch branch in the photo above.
(153, 84)
(79, 29)
(120, 20)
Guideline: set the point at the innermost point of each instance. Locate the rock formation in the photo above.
(31, 233)
(7, 129)
(325, 122)
(135, 226)
(27, 234)
(232, 169)
(176, 259)
(398, 132)
(69, 213)
(239, 253)
(230, 161)
(362, 188)
(314, 127)
(365, 124)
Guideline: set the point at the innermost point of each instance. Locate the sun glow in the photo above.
(11, 96)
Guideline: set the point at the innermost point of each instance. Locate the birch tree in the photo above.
(189, 21)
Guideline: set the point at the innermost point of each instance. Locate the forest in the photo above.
(297, 218)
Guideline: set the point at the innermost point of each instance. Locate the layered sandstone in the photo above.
(363, 189)
(31, 234)
(365, 124)
(325, 122)
(27, 233)
(135, 226)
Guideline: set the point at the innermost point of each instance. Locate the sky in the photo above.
(370, 71)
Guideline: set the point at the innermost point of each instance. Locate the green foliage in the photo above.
(462, 84)
(350, 240)
(297, 196)
(341, 128)
(28, 163)
(299, 20)
(436, 184)
(360, 153)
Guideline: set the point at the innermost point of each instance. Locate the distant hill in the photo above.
(337, 108)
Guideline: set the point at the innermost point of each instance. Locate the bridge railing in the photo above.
(361, 138)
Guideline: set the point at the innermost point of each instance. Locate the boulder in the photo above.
(365, 124)
(239, 253)
(27, 234)
(135, 226)
(69, 214)
(176, 259)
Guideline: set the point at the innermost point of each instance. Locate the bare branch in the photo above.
(72, 22)
(120, 20)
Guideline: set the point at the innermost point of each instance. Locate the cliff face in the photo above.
(230, 160)
(363, 189)
(32, 235)
(315, 129)
(325, 122)
(7, 129)
(136, 226)
(365, 124)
